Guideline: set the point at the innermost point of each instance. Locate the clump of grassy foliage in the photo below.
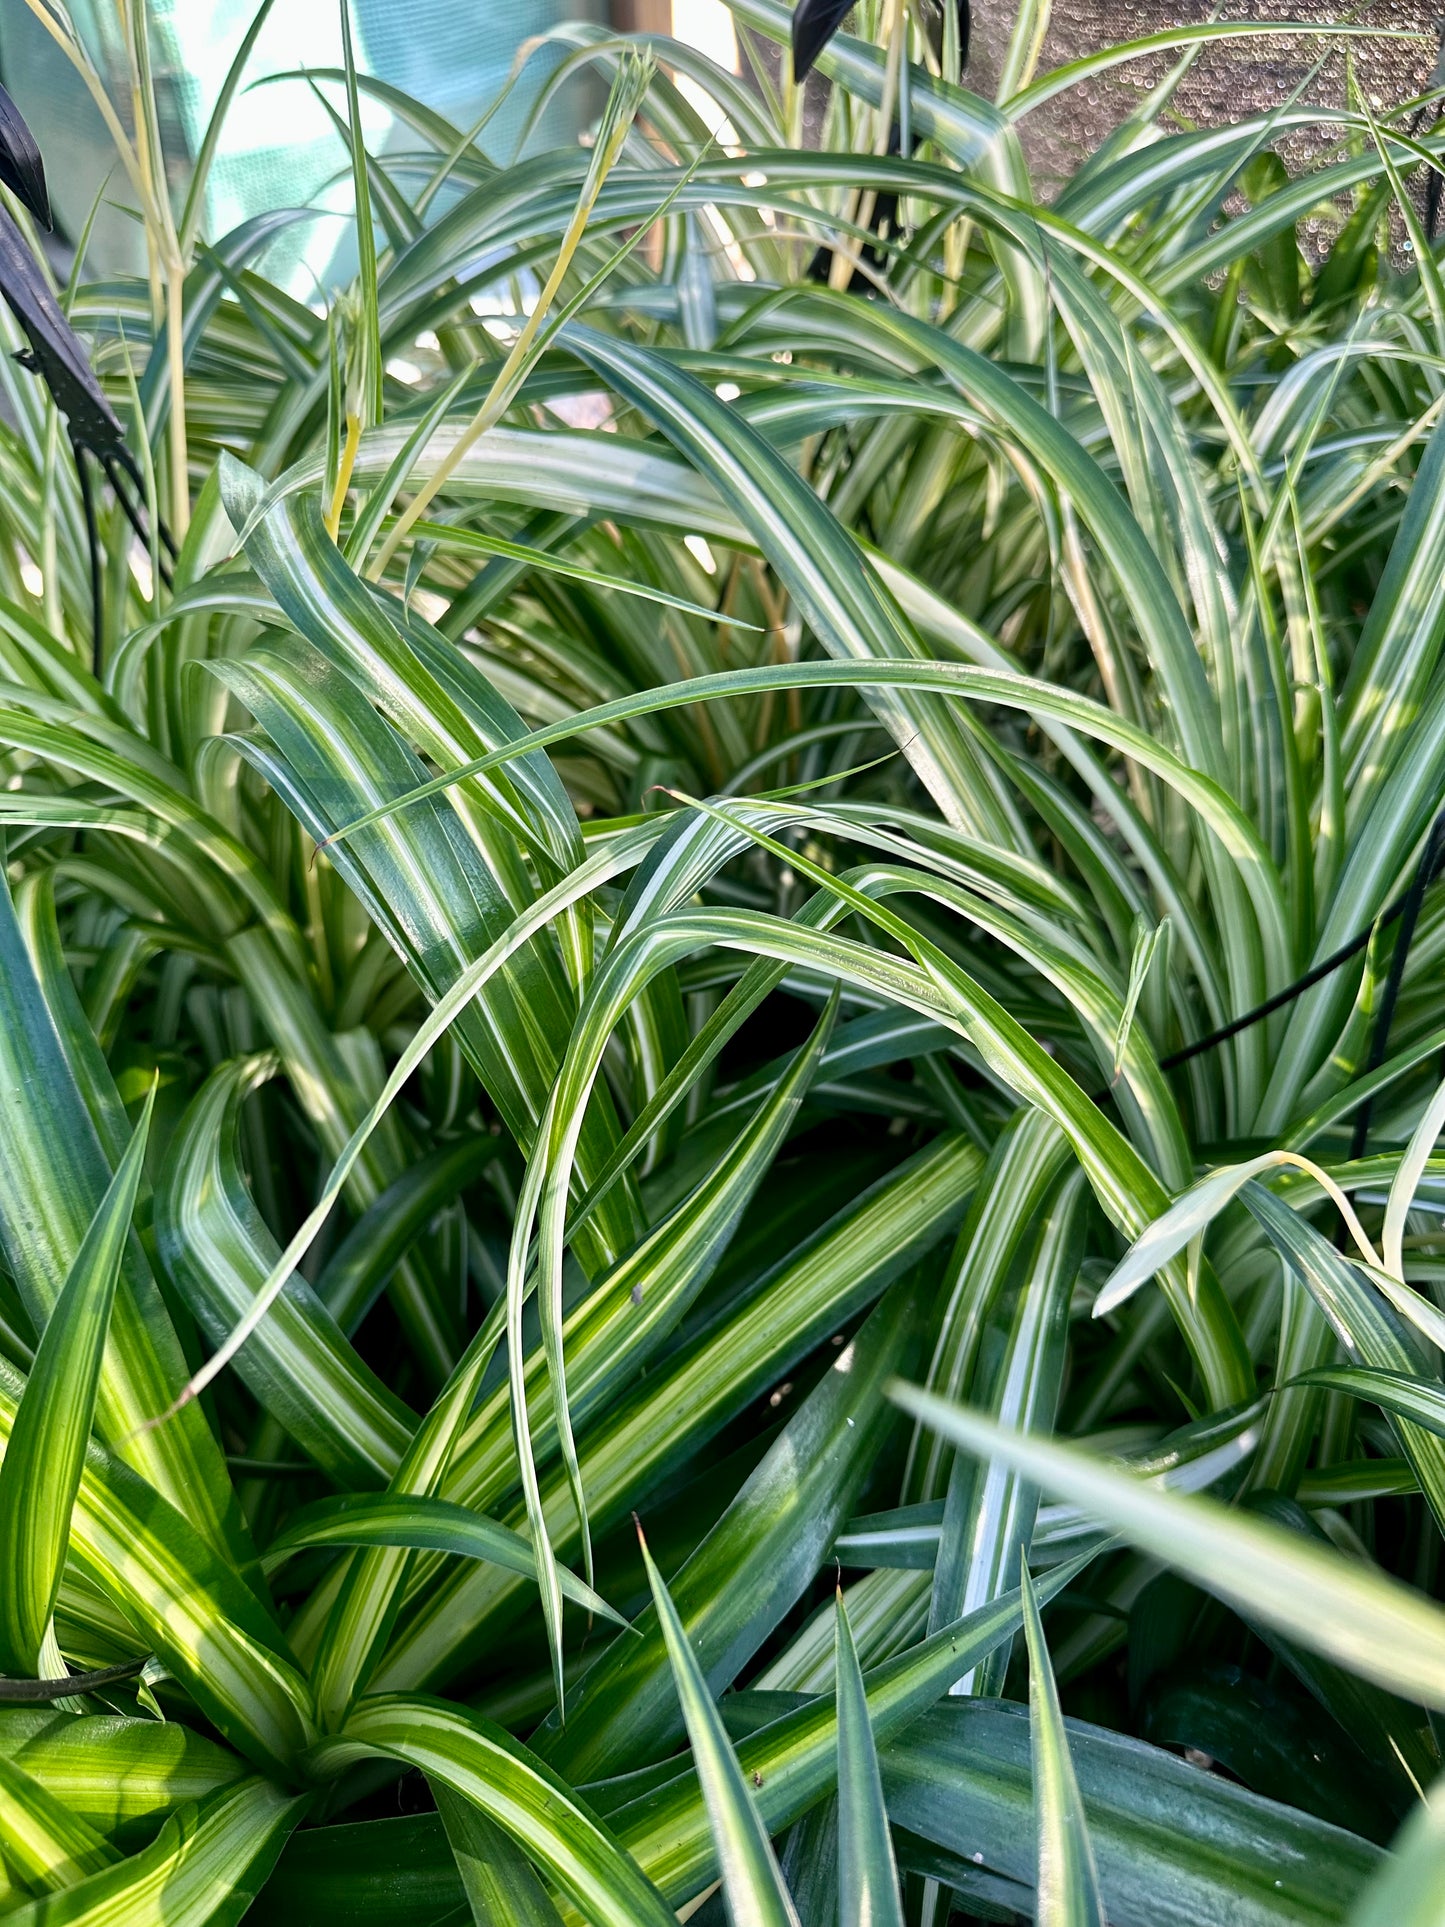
(644, 931)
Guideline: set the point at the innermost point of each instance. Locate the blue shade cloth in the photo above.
(279, 148)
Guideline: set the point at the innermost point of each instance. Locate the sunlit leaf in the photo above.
(867, 1877)
(51, 1428)
(1068, 1880)
(751, 1877)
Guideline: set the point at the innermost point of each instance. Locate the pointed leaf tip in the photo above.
(814, 24)
(751, 1877)
(21, 167)
(1067, 1885)
(40, 1474)
(867, 1872)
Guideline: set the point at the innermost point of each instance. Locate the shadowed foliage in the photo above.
(769, 869)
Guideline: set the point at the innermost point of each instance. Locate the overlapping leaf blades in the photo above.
(597, 1037)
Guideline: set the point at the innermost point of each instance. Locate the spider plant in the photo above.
(770, 870)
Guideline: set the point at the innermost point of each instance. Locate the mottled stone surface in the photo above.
(1226, 83)
(1394, 59)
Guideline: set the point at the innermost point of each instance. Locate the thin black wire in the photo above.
(35, 1691)
(1409, 916)
(1408, 905)
(115, 467)
(92, 537)
(135, 512)
(1282, 997)
(1433, 182)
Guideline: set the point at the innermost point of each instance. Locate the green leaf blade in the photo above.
(868, 1894)
(1068, 1880)
(41, 1471)
(1365, 1620)
(751, 1877)
(484, 1766)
